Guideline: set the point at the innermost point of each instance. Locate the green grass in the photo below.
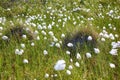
(37, 13)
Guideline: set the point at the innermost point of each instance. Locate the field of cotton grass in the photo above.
(59, 40)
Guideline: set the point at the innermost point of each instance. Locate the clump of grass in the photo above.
(79, 39)
(15, 34)
(6, 4)
(18, 31)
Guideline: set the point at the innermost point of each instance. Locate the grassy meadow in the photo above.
(35, 34)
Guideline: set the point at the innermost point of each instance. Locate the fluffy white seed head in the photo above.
(112, 65)
(55, 75)
(88, 55)
(19, 52)
(4, 37)
(68, 52)
(68, 72)
(71, 60)
(60, 65)
(96, 50)
(89, 38)
(45, 52)
(49, 26)
(70, 45)
(24, 36)
(25, 61)
(78, 56)
(22, 45)
(55, 39)
(113, 52)
(70, 67)
(1, 28)
(16, 51)
(62, 35)
(32, 44)
(51, 33)
(103, 39)
(43, 32)
(37, 38)
(77, 64)
(116, 35)
(36, 32)
(57, 45)
(46, 75)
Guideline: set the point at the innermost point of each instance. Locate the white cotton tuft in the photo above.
(60, 65)
(112, 65)
(68, 52)
(24, 36)
(88, 55)
(46, 75)
(4, 37)
(68, 72)
(78, 56)
(103, 39)
(45, 52)
(22, 45)
(25, 61)
(62, 35)
(96, 50)
(19, 52)
(57, 45)
(70, 67)
(70, 45)
(32, 44)
(77, 64)
(89, 38)
(113, 52)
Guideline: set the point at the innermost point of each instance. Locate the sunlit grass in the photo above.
(50, 23)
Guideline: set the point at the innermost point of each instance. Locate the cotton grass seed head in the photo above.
(88, 55)
(68, 72)
(62, 35)
(68, 52)
(70, 45)
(19, 51)
(96, 50)
(45, 52)
(4, 37)
(78, 56)
(46, 75)
(60, 65)
(77, 64)
(71, 60)
(25, 61)
(70, 67)
(113, 51)
(32, 44)
(37, 38)
(112, 65)
(22, 45)
(57, 45)
(89, 38)
(55, 75)
(1, 28)
(24, 36)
